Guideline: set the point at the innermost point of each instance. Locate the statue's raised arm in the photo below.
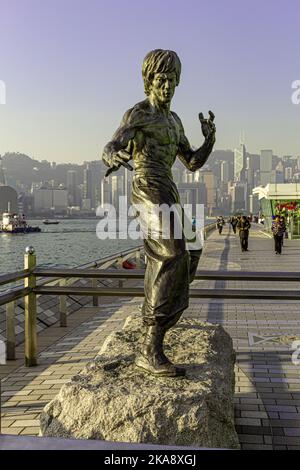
(195, 159)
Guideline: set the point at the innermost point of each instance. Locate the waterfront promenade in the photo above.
(267, 393)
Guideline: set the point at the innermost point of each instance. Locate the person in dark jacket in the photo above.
(244, 226)
(234, 222)
(220, 223)
(278, 229)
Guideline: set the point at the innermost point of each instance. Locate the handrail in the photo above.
(12, 277)
(100, 261)
(194, 293)
(200, 275)
(19, 275)
(8, 297)
(95, 264)
(15, 294)
(88, 273)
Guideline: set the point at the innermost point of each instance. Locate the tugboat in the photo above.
(50, 222)
(16, 223)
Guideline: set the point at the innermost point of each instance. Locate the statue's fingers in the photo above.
(120, 161)
(201, 117)
(109, 171)
(129, 167)
(125, 155)
(211, 115)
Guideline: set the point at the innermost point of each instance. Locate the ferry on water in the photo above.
(16, 223)
(50, 222)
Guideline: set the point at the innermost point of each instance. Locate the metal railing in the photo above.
(27, 291)
(55, 284)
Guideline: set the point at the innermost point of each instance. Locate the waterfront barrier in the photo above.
(9, 297)
(59, 282)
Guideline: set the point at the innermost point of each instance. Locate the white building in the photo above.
(50, 199)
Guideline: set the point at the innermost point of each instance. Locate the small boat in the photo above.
(16, 223)
(50, 222)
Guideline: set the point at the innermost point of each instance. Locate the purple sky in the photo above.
(73, 67)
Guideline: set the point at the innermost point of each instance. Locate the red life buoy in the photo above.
(128, 265)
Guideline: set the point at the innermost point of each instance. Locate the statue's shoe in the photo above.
(166, 369)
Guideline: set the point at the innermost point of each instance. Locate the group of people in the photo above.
(242, 223)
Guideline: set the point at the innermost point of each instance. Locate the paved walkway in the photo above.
(267, 399)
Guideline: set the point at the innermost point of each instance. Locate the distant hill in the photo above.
(23, 169)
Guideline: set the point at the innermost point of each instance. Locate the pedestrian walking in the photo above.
(278, 229)
(220, 223)
(244, 226)
(234, 222)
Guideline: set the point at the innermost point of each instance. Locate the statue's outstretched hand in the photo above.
(207, 125)
(116, 159)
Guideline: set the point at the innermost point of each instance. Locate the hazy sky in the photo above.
(73, 67)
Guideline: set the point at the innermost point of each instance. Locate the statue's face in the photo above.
(163, 87)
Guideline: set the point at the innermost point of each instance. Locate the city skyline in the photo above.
(71, 70)
(228, 183)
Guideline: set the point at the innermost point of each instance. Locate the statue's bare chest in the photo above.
(162, 131)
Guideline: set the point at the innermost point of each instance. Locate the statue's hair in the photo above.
(160, 61)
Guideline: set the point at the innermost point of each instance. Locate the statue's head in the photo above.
(161, 73)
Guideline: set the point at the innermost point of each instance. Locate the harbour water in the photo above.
(70, 243)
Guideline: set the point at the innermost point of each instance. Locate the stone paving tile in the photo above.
(26, 422)
(30, 431)
(36, 387)
(13, 431)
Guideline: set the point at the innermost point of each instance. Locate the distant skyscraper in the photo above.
(238, 196)
(208, 178)
(105, 191)
(72, 187)
(117, 186)
(225, 172)
(266, 160)
(92, 176)
(249, 175)
(87, 183)
(279, 173)
(240, 162)
(288, 174)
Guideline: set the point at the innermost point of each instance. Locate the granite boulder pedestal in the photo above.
(112, 400)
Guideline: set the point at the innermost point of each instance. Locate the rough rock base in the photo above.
(113, 400)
